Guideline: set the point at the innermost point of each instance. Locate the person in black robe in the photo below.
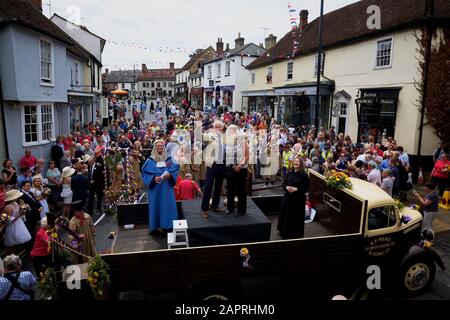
(291, 222)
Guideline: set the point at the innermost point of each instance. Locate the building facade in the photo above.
(368, 79)
(225, 77)
(157, 83)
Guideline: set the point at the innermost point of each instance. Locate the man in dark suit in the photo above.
(80, 184)
(96, 180)
(33, 216)
(57, 151)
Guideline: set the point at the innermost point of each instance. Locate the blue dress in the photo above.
(161, 197)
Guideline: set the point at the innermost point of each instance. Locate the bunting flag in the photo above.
(293, 18)
(149, 47)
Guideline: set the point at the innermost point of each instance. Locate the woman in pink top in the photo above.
(440, 173)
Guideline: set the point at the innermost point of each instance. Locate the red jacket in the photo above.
(28, 162)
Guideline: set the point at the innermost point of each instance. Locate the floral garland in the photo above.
(4, 218)
(338, 180)
(99, 277)
(48, 285)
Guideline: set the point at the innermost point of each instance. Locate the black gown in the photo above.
(291, 221)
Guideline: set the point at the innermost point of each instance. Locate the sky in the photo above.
(157, 32)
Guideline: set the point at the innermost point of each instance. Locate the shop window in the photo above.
(384, 53)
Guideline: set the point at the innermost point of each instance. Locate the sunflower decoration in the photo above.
(3, 218)
(338, 180)
(98, 277)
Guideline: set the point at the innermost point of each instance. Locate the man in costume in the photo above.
(160, 175)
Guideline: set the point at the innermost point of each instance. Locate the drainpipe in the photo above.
(2, 107)
(428, 34)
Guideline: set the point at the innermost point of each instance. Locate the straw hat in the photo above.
(12, 195)
(67, 172)
(86, 158)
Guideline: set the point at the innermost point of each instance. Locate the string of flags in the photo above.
(293, 18)
(149, 47)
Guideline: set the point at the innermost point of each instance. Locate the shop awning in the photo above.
(259, 93)
(305, 88)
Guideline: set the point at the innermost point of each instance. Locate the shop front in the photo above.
(208, 98)
(197, 98)
(226, 93)
(296, 104)
(377, 112)
(81, 110)
(262, 101)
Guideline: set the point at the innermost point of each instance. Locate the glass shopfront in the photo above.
(377, 113)
(298, 110)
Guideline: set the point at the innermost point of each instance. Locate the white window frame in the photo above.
(227, 68)
(376, 53)
(52, 64)
(253, 77)
(269, 74)
(39, 123)
(292, 71)
(75, 74)
(209, 72)
(218, 69)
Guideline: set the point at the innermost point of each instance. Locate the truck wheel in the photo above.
(416, 276)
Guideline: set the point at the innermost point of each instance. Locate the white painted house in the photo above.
(226, 77)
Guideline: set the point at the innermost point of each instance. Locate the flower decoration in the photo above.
(338, 180)
(47, 192)
(98, 277)
(48, 285)
(4, 219)
(244, 253)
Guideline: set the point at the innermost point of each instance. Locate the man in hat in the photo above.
(81, 224)
(80, 183)
(34, 214)
(160, 175)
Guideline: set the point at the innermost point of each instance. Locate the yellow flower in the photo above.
(337, 179)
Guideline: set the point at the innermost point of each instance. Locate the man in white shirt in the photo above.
(374, 175)
(404, 158)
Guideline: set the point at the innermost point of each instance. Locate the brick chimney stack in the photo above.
(144, 67)
(36, 3)
(172, 65)
(303, 19)
(107, 71)
(239, 42)
(227, 48)
(219, 46)
(271, 41)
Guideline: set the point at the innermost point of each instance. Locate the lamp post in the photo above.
(319, 69)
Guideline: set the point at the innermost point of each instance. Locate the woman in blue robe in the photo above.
(160, 175)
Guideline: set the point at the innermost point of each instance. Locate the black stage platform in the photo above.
(218, 229)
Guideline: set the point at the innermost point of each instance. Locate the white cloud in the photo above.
(188, 24)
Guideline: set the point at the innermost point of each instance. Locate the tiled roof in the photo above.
(203, 54)
(159, 74)
(121, 76)
(24, 13)
(349, 24)
(248, 49)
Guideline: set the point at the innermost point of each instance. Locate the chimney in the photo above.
(271, 41)
(37, 3)
(107, 71)
(303, 19)
(239, 42)
(172, 65)
(228, 47)
(261, 45)
(144, 67)
(219, 46)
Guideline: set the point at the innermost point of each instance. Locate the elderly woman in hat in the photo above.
(81, 224)
(16, 232)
